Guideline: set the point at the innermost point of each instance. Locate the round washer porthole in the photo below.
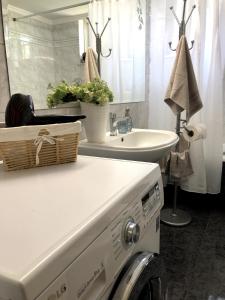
(140, 279)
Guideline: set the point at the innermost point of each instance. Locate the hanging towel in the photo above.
(164, 164)
(180, 162)
(90, 67)
(182, 92)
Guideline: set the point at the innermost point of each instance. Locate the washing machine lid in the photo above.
(49, 211)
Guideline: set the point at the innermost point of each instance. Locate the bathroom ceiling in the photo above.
(44, 5)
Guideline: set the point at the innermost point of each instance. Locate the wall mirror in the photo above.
(44, 49)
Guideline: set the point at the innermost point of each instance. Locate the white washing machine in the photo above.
(79, 242)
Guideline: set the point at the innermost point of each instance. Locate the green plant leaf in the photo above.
(96, 91)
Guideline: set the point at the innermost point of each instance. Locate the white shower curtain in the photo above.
(124, 70)
(207, 55)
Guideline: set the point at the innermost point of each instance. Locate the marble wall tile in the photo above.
(4, 86)
(30, 58)
(1, 34)
(66, 52)
(40, 54)
(31, 27)
(2, 117)
(65, 31)
(137, 111)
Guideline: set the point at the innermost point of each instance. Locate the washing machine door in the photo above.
(141, 279)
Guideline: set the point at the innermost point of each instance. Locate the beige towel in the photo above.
(90, 67)
(182, 92)
(180, 162)
(164, 164)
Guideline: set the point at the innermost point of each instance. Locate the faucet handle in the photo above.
(112, 121)
(112, 115)
(127, 112)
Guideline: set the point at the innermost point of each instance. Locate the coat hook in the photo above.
(110, 50)
(105, 27)
(182, 24)
(96, 26)
(193, 7)
(99, 42)
(192, 45)
(171, 8)
(170, 45)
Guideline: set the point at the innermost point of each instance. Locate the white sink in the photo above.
(140, 145)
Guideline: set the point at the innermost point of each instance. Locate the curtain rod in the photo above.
(51, 11)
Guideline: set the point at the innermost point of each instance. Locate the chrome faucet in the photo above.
(112, 124)
(118, 125)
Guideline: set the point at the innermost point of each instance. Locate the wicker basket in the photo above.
(35, 146)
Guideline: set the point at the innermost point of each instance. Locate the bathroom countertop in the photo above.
(48, 208)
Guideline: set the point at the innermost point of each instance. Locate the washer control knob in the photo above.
(131, 232)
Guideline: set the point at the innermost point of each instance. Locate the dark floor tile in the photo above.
(194, 255)
(208, 274)
(193, 294)
(176, 291)
(216, 225)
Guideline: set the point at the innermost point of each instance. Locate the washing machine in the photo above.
(115, 253)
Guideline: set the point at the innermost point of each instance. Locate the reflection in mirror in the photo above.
(124, 68)
(43, 50)
(47, 48)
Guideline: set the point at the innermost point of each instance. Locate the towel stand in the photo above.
(174, 216)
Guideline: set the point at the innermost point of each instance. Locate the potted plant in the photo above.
(94, 99)
(61, 93)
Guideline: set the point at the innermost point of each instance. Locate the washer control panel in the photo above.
(126, 229)
(131, 224)
(131, 232)
(151, 200)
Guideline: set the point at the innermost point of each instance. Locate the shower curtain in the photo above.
(124, 69)
(206, 27)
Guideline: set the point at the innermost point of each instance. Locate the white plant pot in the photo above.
(96, 122)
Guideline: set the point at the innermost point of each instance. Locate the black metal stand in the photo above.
(174, 216)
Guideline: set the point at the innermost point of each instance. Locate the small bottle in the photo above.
(129, 120)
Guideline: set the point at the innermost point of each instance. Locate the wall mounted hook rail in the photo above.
(98, 37)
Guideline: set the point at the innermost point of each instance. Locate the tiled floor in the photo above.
(194, 255)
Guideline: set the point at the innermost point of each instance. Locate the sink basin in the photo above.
(140, 145)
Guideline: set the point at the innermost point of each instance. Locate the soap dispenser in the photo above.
(129, 119)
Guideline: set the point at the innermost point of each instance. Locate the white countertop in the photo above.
(43, 208)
